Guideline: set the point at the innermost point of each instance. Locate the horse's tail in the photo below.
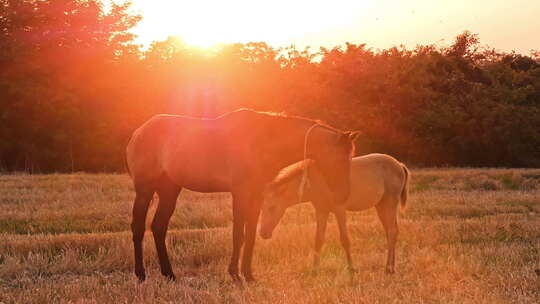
(405, 190)
(125, 156)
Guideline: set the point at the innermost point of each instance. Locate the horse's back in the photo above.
(373, 177)
(188, 151)
(142, 151)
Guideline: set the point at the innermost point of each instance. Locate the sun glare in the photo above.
(204, 23)
(378, 23)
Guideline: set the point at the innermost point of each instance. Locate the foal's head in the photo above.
(287, 190)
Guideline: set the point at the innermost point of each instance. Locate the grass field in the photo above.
(467, 236)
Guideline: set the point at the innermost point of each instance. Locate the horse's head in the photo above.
(332, 152)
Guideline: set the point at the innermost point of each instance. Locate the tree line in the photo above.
(74, 85)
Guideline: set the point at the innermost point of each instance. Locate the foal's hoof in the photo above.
(249, 277)
(236, 278)
(233, 272)
(316, 262)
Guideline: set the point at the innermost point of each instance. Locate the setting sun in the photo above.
(204, 23)
(378, 23)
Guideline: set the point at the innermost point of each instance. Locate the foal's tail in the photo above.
(405, 190)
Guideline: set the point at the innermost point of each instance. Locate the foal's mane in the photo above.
(290, 172)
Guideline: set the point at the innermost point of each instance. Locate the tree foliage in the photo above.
(73, 86)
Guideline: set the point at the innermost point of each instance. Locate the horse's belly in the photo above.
(196, 159)
(214, 184)
(201, 174)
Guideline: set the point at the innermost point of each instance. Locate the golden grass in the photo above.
(468, 236)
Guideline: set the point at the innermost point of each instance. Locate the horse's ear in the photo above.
(353, 135)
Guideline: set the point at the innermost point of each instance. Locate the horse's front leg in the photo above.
(238, 236)
(341, 218)
(322, 219)
(252, 218)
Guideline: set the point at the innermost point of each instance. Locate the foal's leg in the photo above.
(140, 209)
(322, 219)
(238, 237)
(387, 211)
(167, 203)
(341, 218)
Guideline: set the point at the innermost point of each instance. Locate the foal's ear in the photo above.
(270, 187)
(274, 189)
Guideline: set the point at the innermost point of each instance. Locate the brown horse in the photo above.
(239, 152)
(377, 180)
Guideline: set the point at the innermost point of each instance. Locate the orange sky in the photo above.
(504, 24)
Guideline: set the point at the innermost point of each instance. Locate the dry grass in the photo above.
(468, 236)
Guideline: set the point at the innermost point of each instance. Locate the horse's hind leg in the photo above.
(387, 211)
(140, 209)
(168, 193)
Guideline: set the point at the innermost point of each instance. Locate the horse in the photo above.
(238, 152)
(377, 180)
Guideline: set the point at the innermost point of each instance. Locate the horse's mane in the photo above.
(293, 117)
(308, 121)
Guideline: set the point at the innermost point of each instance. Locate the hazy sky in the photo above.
(504, 24)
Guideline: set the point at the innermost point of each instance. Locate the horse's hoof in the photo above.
(170, 276)
(390, 271)
(353, 270)
(141, 276)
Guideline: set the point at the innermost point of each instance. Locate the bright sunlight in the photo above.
(378, 23)
(205, 23)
